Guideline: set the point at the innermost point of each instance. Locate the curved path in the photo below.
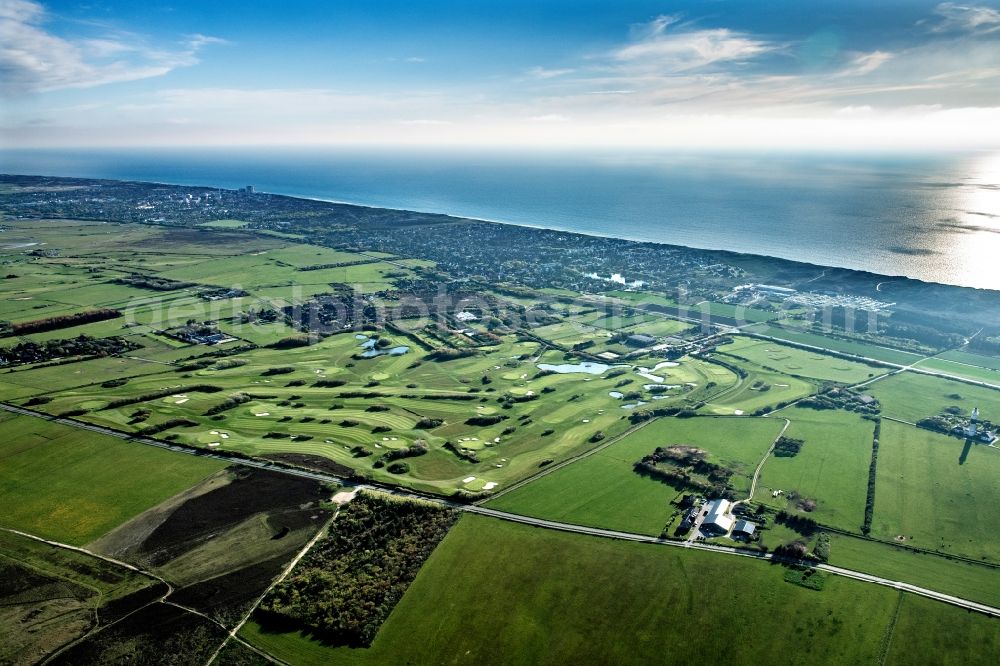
(760, 465)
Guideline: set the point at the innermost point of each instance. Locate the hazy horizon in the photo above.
(902, 76)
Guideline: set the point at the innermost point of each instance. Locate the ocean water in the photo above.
(935, 218)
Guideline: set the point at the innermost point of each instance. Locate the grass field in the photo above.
(934, 496)
(760, 389)
(72, 485)
(737, 312)
(962, 369)
(962, 579)
(972, 358)
(911, 397)
(798, 362)
(225, 224)
(498, 592)
(950, 638)
(831, 468)
(855, 347)
(603, 490)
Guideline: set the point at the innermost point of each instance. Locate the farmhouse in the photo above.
(744, 528)
(718, 519)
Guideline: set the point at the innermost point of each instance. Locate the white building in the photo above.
(974, 424)
(718, 518)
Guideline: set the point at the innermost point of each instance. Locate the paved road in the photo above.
(868, 359)
(727, 550)
(512, 517)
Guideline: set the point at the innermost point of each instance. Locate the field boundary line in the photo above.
(890, 631)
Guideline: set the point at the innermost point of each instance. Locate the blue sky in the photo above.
(888, 74)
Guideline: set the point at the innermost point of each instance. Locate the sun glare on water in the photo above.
(976, 248)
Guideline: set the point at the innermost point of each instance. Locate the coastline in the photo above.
(853, 212)
(879, 278)
(882, 278)
(872, 282)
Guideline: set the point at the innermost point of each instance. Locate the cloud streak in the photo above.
(664, 49)
(954, 17)
(33, 59)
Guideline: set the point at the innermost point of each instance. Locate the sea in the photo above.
(931, 217)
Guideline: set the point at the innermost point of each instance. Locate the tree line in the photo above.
(345, 588)
(63, 321)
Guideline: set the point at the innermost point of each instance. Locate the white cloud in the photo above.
(104, 48)
(35, 60)
(866, 63)
(657, 26)
(544, 73)
(966, 18)
(197, 40)
(683, 50)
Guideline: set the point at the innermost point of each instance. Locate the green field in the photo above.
(760, 389)
(603, 490)
(497, 592)
(737, 312)
(956, 577)
(924, 632)
(798, 362)
(911, 397)
(225, 224)
(72, 485)
(855, 347)
(962, 369)
(971, 358)
(929, 494)
(779, 374)
(831, 468)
